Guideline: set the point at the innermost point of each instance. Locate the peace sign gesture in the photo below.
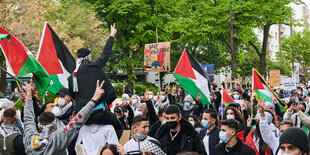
(99, 91)
(261, 106)
(174, 89)
(198, 98)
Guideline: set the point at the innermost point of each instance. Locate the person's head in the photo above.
(294, 141)
(7, 104)
(193, 119)
(9, 117)
(63, 97)
(284, 125)
(180, 91)
(302, 106)
(141, 110)
(151, 95)
(51, 107)
(135, 100)
(109, 149)
(229, 92)
(46, 119)
(142, 98)
(270, 106)
(237, 94)
(163, 95)
(232, 113)
(188, 101)
(140, 126)
(125, 98)
(173, 116)
(118, 111)
(229, 129)
(209, 118)
(84, 55)
(161, 114)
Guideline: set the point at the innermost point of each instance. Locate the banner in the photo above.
(289, 84)
(274, 79)
(210, 70)
(157, 57)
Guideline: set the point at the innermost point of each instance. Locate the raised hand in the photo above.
(168, 89)
(99, 91)
(174, 89)
(28, 89)
(261, 106)
(147, 93)
(249, 121)
(113, 30)
(296, 108)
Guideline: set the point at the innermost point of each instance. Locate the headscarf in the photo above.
(43, 136)
(153, 147)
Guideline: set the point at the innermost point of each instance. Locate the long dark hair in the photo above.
(111, 147)
(237, 115)
(183, 94)
(256, 133)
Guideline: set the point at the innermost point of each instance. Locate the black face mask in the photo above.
(303, 111)
(172, 124)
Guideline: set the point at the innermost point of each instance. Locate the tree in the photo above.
(229, 22)
(136, 22)
(74, 23)
(297, 49)
(269, 13)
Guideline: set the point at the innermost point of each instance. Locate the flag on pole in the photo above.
(55, 58)
(262, 90)
(226, 98)
(193, 77)
(22, 61)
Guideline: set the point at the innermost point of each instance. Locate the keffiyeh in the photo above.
(153, 146)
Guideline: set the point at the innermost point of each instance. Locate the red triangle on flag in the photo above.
(226, 97)
(47, 54)
(184, 67)
(257, 83)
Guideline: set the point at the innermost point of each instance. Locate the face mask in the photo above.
(134, 101)
(223, 137)
(236, 97)
(299, 92)
(230, 117)
(162, 98)
(138, 113)
(249, 93)
(229, 94)
(205, 123)
(61, 101)
(254, 94)
(303, 111)
(187, 105)
(150, 97)
(140, 136)
(172, 124)
(56, 111)
(193, 124)
(180, 93)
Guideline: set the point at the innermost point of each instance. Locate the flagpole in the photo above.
(174, 69)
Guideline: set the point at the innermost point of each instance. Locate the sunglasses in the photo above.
(124, 99)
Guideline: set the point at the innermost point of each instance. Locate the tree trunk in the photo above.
(264, 50)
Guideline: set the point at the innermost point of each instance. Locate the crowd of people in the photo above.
(80, 120)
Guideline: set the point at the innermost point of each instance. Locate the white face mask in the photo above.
(56, 111)
(138, 113)
(162, 98)
(134, 101)
(236, 97)
(254, 94)
(61, 101)
(193, 123)
(150, 97)
(230, 117)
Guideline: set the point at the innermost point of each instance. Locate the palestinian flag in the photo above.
(262, 90)
(22, 61)
(193, 77)
(226, 98)
(56, 59)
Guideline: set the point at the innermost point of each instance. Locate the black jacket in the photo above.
(239, 149)
(154, 128)
(87, 76)
(213, 138)
(190, 140)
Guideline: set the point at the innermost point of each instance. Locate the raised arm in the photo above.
(67, 134)
(30, 128)
(107, 50)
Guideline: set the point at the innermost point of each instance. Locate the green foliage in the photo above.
(297, 49)
(139, 87)
(50, 97)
